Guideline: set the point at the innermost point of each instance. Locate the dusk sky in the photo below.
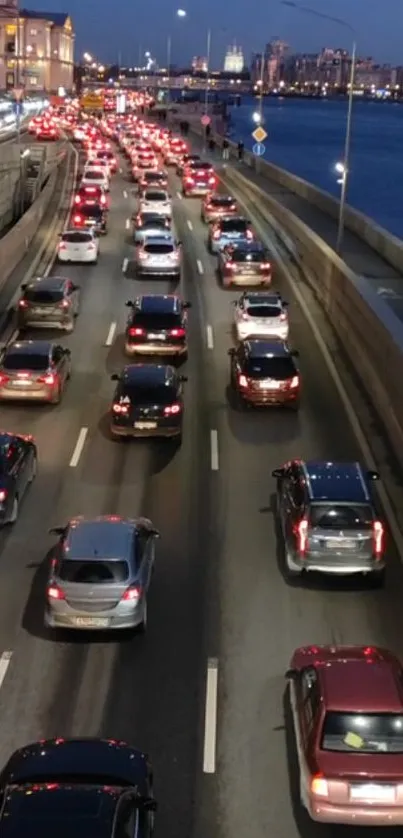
(109, 28)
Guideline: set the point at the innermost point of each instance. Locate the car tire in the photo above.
(34, 469)
(58, 397)
(376, 580)
(142, 627)
(14, 511)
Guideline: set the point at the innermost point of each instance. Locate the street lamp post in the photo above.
(169, 51)
(261, 81)
(207, 86)
(347, 142)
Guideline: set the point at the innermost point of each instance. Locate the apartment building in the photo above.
(36, 49)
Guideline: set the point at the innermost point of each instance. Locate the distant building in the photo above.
(234, 60)
(36, 49)
(199, 65)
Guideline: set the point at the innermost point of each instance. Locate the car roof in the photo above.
(336, 481)
(87, 812)
(159, 304)
(259, 298)
(160, 239)
(106, 537)
(361, 685)
(29, 347)
(233, 219)
(149, 375)
(228, 199)
(48, 283)
(266, 347)
(248, 247)
(159, 190)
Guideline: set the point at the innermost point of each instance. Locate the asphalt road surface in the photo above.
(218, 591)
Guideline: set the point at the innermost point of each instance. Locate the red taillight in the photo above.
(54, 592)
(64, 304)
(135, 332)
(120, 409)
(4, 379)
(283, 317)
(77, 199)
(249, 234)
(91, 246)
(177, 333)
(189, 180)
(302, 534)
(319, 786)
(230, 265)
(242, 381)
(294, 383)
(77, 219)
(379, 537)
(48, 379)
(132, 594)
(265, 266)
(216, 234)
(212, 180)
(103, 200)
(22, 304)
(3, 495)
(62, 246)
(172, 410)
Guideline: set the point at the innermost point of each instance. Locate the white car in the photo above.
(97, 164)
(156, 200)
(95, 177)
(78, 246)
(261, 314)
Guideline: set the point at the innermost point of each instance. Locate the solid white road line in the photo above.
(210, 337)
(200, 267)
(5, 661)
(125, 264)
(190, 225)
(210, 717)
(214, 450)
(124, 193)
(178, 195)
(127, 223)
(79, 448)
(111, 335)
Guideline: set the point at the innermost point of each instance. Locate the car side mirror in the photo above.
(183, 378)
(235, 302)
(291, 674)
(179, 244)
(24, 286)
(148, 804)
(278, 473)
(285, 304)
(129, 304)
(75, 287)
(115, 377)
(231, 352)
(373, 475)
(187, 305)
(155, 533)
(67, 352)
(60, 531)
(295, 353)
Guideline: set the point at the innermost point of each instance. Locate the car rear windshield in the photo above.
(153, 176)
(94, 175)
(255, 256)
(332, 516)
(149, 395)
(26, 361)
(221, 202)
(91, 212)
(264, 311)
(104, 155)
(200, 166)
(160, 249)
(277, 368)
(33, 295)
(157, 321)
(155, 196)
(236, 225)
(93, 571)
(76, 238)
(363, 733)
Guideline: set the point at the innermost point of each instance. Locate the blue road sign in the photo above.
(18, 108)
(259, 149)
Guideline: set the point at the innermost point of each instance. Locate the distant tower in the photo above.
(234, 60)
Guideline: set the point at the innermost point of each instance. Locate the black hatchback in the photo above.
(90, 217)
(148, 402)
(157, 325)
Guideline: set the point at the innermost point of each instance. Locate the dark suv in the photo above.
(328, 519)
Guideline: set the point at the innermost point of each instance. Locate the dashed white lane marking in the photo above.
(210, 717)
(214, 450)
(111, 335)
(190, 225)
(125, 264)
(178, 195)
(125, 193)
(210, 337)
(127, 223)
(121, 171)
(5, 661)
(79, 448)
(200, 267)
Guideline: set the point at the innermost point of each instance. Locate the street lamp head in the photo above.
(340, 168)
(181, 13)
(256, 117)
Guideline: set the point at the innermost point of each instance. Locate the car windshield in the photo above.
(155, 196)
(200, 167)
(363, 733)
(278, 368)
(338, 516)
(94, 175)
(91, 212)
(149, 395)
(157, 321)
(159, 249)
(37, 295)
(221, 202)
(77, 238)
(104, 155)
(264, 311)
(25, 361)
(93, 571)
(233, 225)
(154, 176)
(248, 256)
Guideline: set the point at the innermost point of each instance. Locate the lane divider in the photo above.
(127, 223)
(190, 225)
(5, 661)
(210, 337)
(78, 450)
(200, 267)
(214, 450)
(125, 193)
(210, 717)
(111, 335)
(178, 195)
(125, 264)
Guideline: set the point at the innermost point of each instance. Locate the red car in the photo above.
(347, 709)
(47, 131)
(90, 196)
(198, 179)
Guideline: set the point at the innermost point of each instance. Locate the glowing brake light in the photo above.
(132, 594)
(54, 592)
(77, 199)
(177, 333)
(23, 304)
(230, 265)
(120, 409)
(3, 495)
(302, 534)
(265, 266)
(294, 382)
(249, 234)
(378, 535)
(189, 180)
(216, 234)
(283, 317)
(48, 379)
(135, 332)
(172, 410)
(243, 381)
(77, 219)
(319, 786)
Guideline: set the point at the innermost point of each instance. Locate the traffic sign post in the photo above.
(18, 108)
(205, 120)
(259, 134)
(18, 93)
(259, 149)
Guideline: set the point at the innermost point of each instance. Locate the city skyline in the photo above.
(114, 31)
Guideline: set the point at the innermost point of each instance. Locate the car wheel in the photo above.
(34, 469)
(69, 328)
(290, 572)
(14, 511)
(142, 628)
(57, 397)
(376, 580)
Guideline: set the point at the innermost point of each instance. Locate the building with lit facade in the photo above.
(36, 49)
(199, 65)
(234, 60)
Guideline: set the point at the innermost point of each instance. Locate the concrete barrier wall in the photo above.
(384, 243)
(369, 331)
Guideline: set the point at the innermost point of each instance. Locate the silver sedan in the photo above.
(159, 257)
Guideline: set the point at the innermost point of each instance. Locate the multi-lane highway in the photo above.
(218, 591)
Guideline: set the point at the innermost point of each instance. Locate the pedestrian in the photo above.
(211, 144)
(241, 149)
(208, 130)
(225, 149)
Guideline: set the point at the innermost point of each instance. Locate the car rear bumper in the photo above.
(267, 399)
(137, 433)
(334, 565)
(160, 271)
(32, 322)
(246, 279)
(85, 257)
(195, 191)
(359, 815)
(154, 349)
(244, 334)
(114, 621)
(27, 395)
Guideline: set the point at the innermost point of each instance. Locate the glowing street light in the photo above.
(87, 57)
(341, 170)
(181, 13)
(257, 117)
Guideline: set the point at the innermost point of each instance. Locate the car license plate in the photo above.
(270, 385)
(369, 791)
(41, 311)
(334, 543)
(145, 426)
(92, 622)
(157, 337)
(22, 383)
